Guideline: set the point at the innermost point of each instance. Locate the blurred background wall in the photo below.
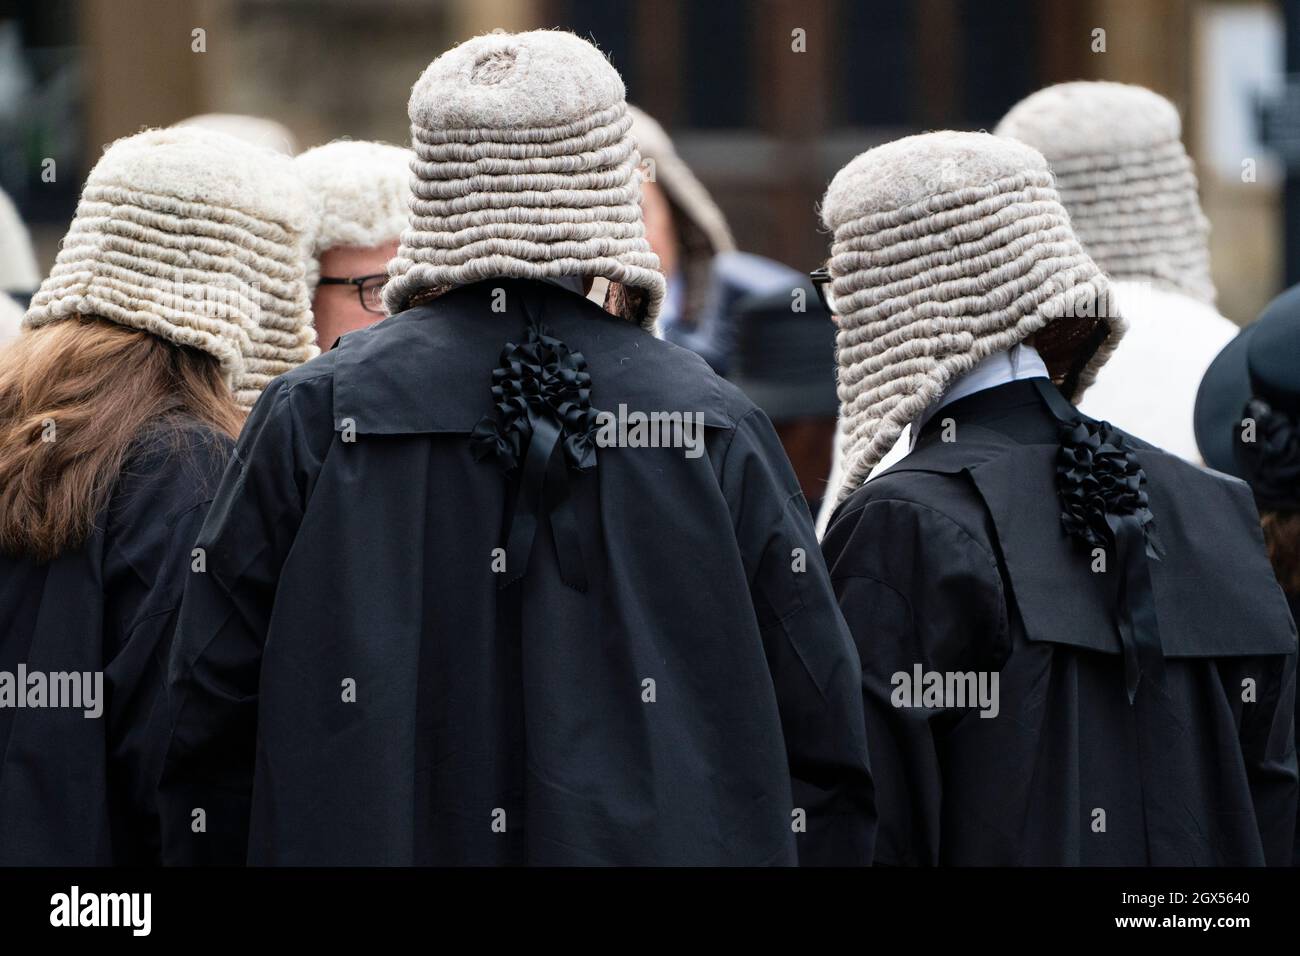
(764, 123)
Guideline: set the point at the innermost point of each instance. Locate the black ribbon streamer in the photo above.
(1273, 458)
(1102, 491)
(541, 425)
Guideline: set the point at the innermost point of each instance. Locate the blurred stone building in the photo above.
(766, 97)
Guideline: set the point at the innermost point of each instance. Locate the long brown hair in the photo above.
(1282, 536)
(75, 396)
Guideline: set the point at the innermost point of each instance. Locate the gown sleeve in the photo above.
(154, 521)
(1267, 737)
(809, 651)
(916, 590)
(215, 662)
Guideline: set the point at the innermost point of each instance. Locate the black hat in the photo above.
(785, 359)
(1247, 416)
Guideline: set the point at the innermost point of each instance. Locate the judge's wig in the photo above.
(1124, 178)
(196, 237)
(360, 192)
(949, 247)
(526, 167)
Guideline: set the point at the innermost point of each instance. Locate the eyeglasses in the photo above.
(821, 280)
(370, 289)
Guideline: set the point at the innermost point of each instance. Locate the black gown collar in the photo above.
(428, 370)
(1014, 409)
(1007, 444)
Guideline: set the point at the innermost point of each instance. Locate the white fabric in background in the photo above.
(1148, 387)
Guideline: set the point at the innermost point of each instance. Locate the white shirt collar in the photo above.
(1016, 363)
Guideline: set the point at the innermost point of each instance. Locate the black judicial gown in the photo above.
(356, 682)
(78, 790)
(1293, 600)
(955, 561)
